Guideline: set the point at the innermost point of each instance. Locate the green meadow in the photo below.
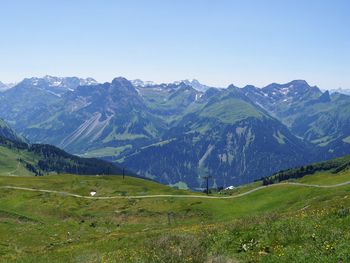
(279, 223)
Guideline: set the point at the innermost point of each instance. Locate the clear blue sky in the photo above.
(218, 42)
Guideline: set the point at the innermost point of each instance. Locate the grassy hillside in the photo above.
(103, 185)
(9, 162)
(20, 158)
(278, 223)
(230, 110)
(333, 166)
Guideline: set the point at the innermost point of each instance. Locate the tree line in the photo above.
(48, 158)
(335, 166)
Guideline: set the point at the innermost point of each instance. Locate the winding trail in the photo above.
(175, 196)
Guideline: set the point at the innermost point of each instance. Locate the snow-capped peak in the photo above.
(3, 86)
(88, 82)
(190, 82)
(141, 83)
(57, 85)
(194, 84)
(61, 82)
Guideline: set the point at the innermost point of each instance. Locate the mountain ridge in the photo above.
(124, 122)
(40, 159)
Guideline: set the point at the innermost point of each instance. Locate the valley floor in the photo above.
(53, 219)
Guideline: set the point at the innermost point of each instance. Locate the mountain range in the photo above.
(6, 86)
(342, 91)
(179, 133)
(21, 158)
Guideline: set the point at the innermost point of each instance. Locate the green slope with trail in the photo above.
(303, 220)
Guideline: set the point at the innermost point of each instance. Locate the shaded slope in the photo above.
(19, 158)
(228, 138)
(96, 117)
(7, 132)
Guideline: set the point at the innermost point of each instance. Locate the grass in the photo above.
(82, 185)
(323, 178)
(106, 151)
(238, 110)
(9, 161)
(282, 223)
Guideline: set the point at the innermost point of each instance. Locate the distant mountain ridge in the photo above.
(58, 85)
(176, 133)
(318, 117)
(195, 84)
(39, 159)
(7, 132)
(190, 82)
(4, 86)
(341, 91)
(141, 83)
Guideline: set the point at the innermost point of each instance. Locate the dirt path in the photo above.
(175, 196)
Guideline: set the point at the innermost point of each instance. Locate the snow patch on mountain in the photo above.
(3, 86)
(194, 84)
(189, 82)
(141, 83)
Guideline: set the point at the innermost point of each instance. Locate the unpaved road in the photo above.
(62, 193)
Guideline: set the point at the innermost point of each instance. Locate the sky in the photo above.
(217, 42)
